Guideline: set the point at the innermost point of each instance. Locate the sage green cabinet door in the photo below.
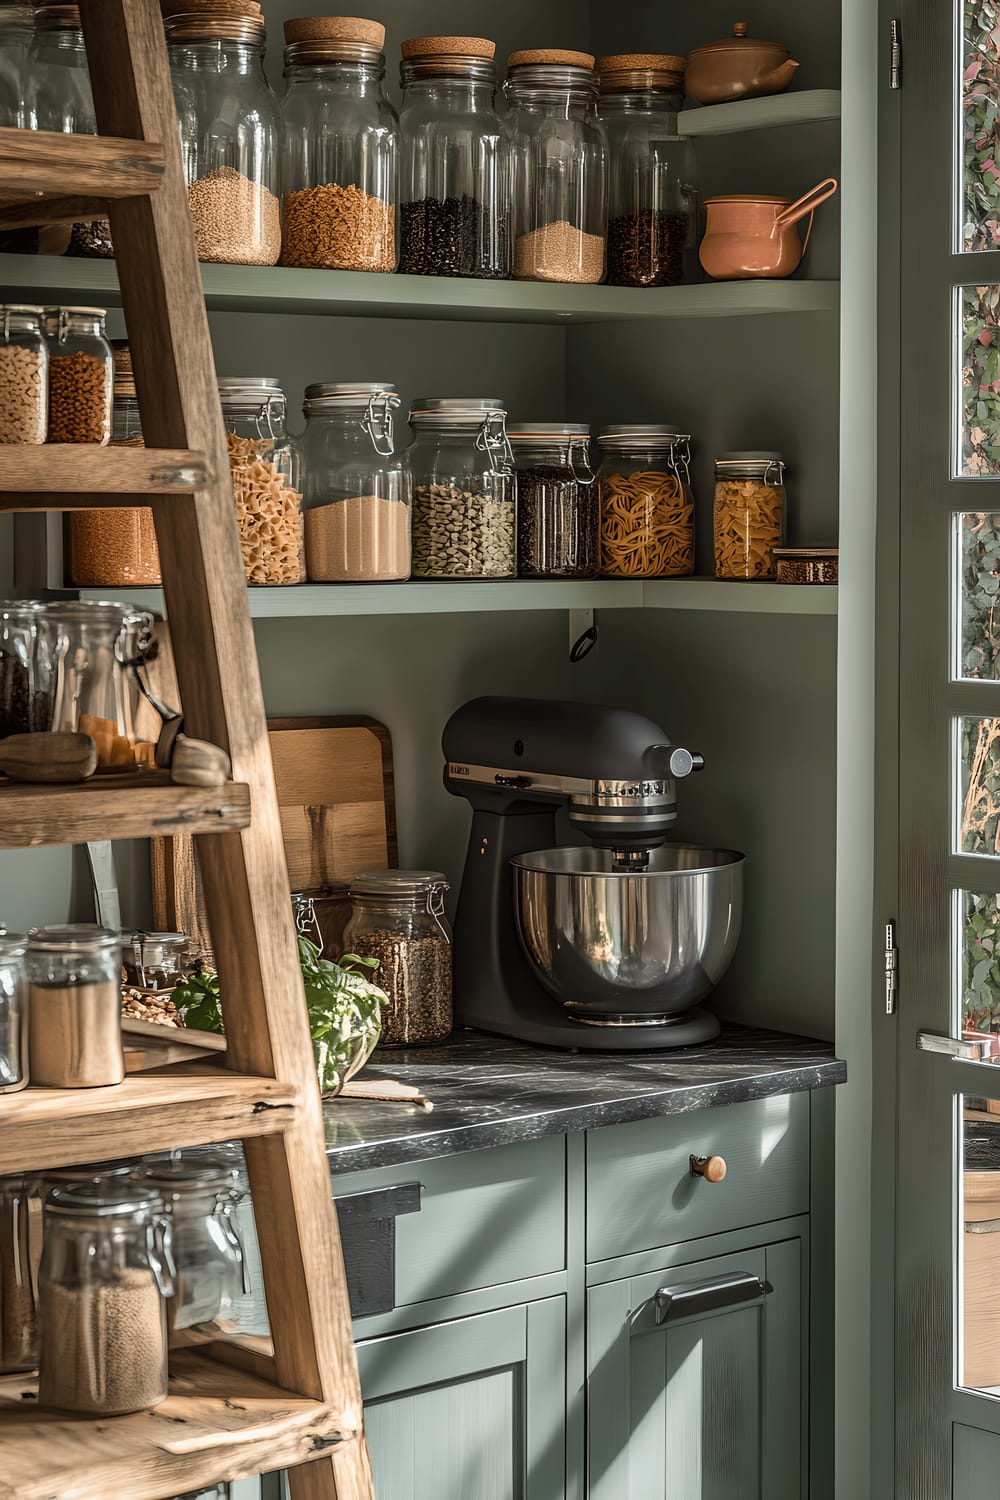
(470, 1410)
(706, 1404)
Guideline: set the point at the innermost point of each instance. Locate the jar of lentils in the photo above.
(24, 375)
(646, 504)
(557, 516)
(749, 516)
(463, 489)
(81, 376)
(398, 917)
(265, 479)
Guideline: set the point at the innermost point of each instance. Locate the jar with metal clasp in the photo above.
(13, 1012)
(463, 489)
(646, 504)
(749, 514)
(18, 1291)
(557, 515)
(398, 917)
(264, 466)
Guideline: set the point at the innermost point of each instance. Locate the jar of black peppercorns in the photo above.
(557, 510)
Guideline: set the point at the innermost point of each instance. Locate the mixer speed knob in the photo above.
(684, 762)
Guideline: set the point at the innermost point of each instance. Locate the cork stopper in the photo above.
(646, 62)
(449, 46)
(550, 55)
(336, 29)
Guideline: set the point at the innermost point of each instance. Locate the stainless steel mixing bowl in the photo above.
(629, 948)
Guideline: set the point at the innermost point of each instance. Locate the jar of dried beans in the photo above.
(558, 166)
(557, 515)
(74, 1007)
(24, 375)
(340, 140)
(646, 504)
(13, 1015)
(355, 487)
(654, 208)
(18, 1328)
(81, 376)
(749, 514)
(463, 489)
(105, 1276)
(265, 479)
(454, 183)
(201, 1193)
(229, 125)
(398, 917)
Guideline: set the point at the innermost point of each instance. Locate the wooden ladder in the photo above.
(298, 1399)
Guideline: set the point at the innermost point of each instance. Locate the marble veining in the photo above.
(488, 1091)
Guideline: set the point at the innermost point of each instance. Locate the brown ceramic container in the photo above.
(749, 237)
(739, 67)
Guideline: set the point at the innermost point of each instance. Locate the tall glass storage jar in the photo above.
(13, 1014)
(749, 515)
(24, 373)
(27, 680)
(464, 505)
(340, 138)
(264, 467)
(18, 1292)
(81, 377)
(229, 125)
(454, 181)
(74, 1007)
(558, 167)
(654, 208)
(17, 28)
(356, 492)
(557, 518)
(200, 1193)
(398, 917)
(646, 504)
(84, 648)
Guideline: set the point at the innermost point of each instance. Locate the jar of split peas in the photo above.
(645, 501)
(749, 514)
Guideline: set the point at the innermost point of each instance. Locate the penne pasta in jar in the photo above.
(645, 501)
(749, 515)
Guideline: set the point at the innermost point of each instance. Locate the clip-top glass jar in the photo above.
(74, 1007)
(356, 491)
(654, 209)
(229, 125)
(81, 376)
(87, 649)
(558, 167)
(18, 1327)
(339, 147)
(201, 1193)
(13, 1013)
(26, 678)
(646, 504)
(557, 516)
(265, 479)
(749, 517)
(106, 1272)
(398, 917)
(454, 181)
(24, 372)
(463, 489)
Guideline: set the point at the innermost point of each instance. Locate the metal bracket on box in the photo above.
(582, 633)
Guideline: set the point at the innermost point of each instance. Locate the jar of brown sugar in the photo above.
(749, 516)
(398, 917)
(24, 375)
(81, 377)
(74, 1006)
(265, 479)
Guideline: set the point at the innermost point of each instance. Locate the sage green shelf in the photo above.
(804, 108)
(356, 294)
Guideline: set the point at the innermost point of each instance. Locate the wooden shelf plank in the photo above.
(64, 476)
(138, 805)
(188, 1104)
(216, 1424)
(804, 107)
(38, 168)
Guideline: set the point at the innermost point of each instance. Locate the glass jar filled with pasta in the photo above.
(265, 479)
(557, 517)
(463, 489)
(749, 516)
(646, 504)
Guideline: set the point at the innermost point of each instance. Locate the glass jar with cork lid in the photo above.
(749, 515)
(264, 467)
(646, 504)
(398, 917)
(81, 376)
(24, 370)
(74, 1007)
(464, 504)
(340, 138)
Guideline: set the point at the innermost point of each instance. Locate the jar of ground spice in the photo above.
(81, 377)
(74, 1007)
(355, 487)
(200, 1193)
(558, 156)
(264, 467)
(646, 504)
(105, 1275)
(24, 375)
(557, 512)
(463, 489)
(454, 182)
(654, 209)
(229, 125)
(18, 1326)
(13, 1014)
(398, 917)
(749, 515)
(340, 140)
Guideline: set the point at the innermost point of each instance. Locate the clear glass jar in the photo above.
(106, 1272)
(86, 648)
(646, 504)
(557, 512)
(155, 960)
(463, 489)
(398, 917)
(17, 30)
(74, 1007)
(27, 682)
(355, 487)
(81, 377)
(558, 165)
(24, 373)
(454, 187)
(229, 124)
(654, 208)
(201, 1194)
(115, 547)
(13, 1016)
(340, 140)
(18, 1290)
(264, 466)
(749, 514)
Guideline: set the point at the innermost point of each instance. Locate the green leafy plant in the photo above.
(344, 1008)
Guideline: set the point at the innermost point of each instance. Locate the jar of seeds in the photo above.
(749, 514)
(81, 376)
(13, 1014)
(398, 917)
(557, 513)
(463, 489)
(24, 375)
(18, 1332)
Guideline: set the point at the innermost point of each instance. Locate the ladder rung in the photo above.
(66, 476)
(137, 805)
(47, 176)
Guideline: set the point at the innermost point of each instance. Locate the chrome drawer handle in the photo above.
(694, 1297)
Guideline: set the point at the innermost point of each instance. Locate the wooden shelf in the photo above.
(217, 1423)
(37, 165)
(806, 107)
(62, 476)
(141, 804)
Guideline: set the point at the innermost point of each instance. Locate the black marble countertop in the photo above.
(488, 1091)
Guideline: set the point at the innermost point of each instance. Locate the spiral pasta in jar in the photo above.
(265, 480)
(749, 515)
(645, 501)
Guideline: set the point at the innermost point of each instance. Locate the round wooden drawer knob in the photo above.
(712, 1168)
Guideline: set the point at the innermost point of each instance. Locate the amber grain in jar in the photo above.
(749, 515)
(398, 918)
(646, 505)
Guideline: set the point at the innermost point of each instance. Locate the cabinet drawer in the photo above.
(485, 1218)
(641, 1192)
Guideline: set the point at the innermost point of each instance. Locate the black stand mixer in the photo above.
(607, 946)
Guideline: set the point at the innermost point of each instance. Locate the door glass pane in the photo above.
(978, 968)
(978, 801)
(981, 129)
(977, 558)
(979, 416)
(977, 1326)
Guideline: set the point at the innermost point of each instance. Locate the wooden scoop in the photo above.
(48, 757)
(190, 762)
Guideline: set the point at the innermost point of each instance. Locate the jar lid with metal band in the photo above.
(249, 390)
(398, 884)
(23, 309)
(455, 411)
(12, 944)
(74, 937)
(89, 1172)
(524, 432)
(752, 461)
(350, 392)
(178, 1175)
(108, 1198)
(640, 72)
(640, 435)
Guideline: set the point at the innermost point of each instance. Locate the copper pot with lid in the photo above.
(738, 67)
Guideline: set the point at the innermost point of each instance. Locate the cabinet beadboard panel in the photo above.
(976, 1464)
